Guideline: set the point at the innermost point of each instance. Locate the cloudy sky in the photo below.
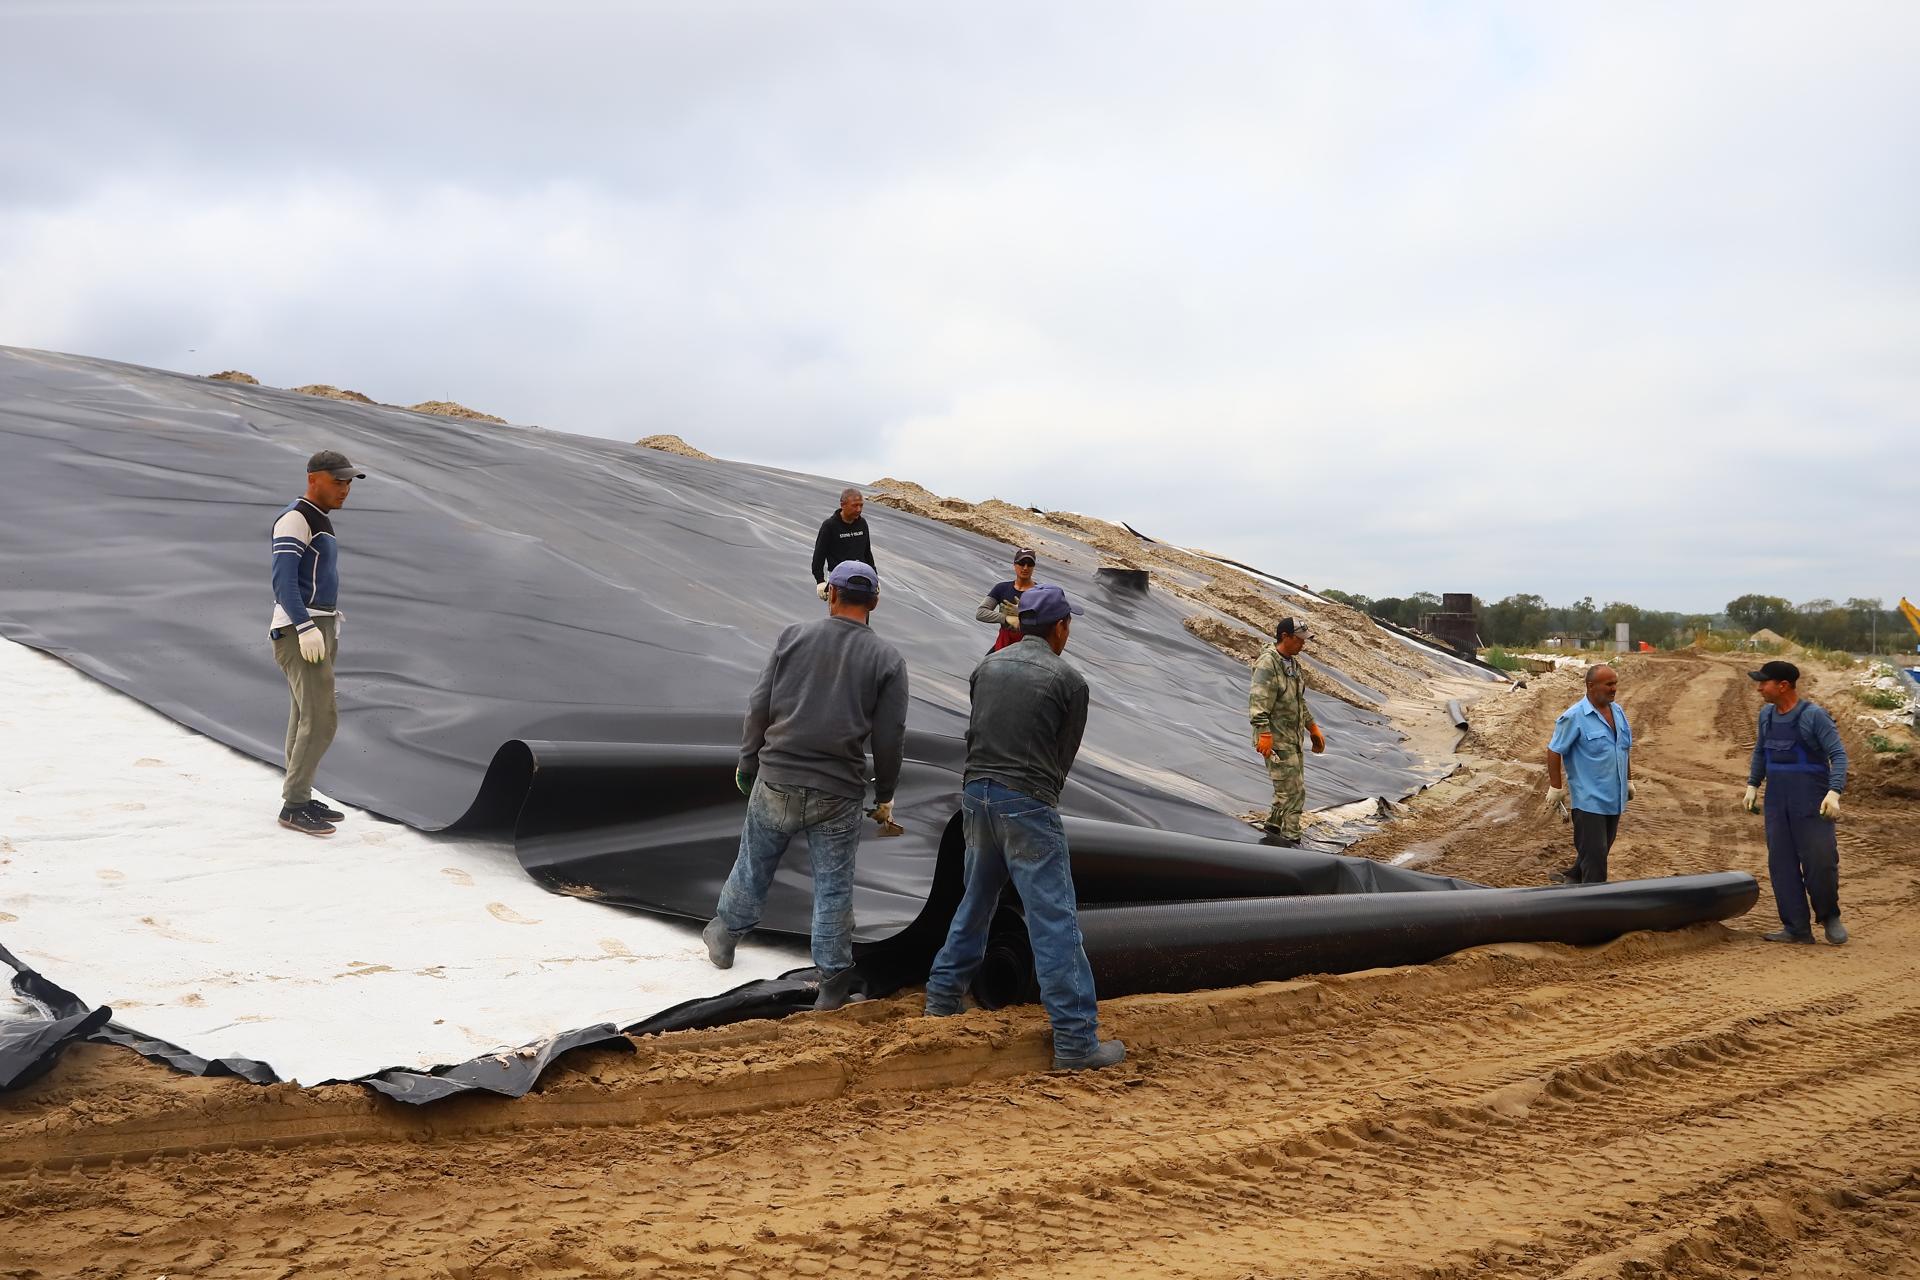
(1620, 300)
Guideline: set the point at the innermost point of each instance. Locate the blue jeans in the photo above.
(1010, 835)
(776, 813)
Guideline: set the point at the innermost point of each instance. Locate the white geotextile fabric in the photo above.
(141, 866)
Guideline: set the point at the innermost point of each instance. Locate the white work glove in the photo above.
(1629, 788)
(1830, 806)
(1751, 801)
(313, 645)
(883, 813)
(1557, 801)
(820, 589)
(1010, 610)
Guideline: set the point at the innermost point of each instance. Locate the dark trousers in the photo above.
(1593, 835)
(1803, 861)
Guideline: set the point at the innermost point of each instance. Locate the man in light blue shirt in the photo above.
(1590, 755)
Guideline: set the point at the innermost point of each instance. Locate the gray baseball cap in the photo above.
(335, 463)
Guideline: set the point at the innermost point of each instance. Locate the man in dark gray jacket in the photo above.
(828, 688)
(1029, 711)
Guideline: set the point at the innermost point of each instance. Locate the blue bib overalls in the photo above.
(1803, 852)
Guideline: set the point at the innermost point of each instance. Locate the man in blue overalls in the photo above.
(1799, 756)
(1591, 755)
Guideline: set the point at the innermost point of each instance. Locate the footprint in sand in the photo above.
(456, 875)
(502, 912)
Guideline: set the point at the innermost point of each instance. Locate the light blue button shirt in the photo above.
(1595, 756)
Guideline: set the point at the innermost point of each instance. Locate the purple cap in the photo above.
(852, 575)
(1044, 605)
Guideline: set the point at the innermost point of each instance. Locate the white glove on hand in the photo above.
(1557, 801)
(313, 645)
(883, 813)
(1010, 610)
(1629, 788)
(820, 589)
(1830, 806)
(1751, 801)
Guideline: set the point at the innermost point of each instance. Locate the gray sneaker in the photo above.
(1836, 932)
(1107, 1053)
(720, 942)
(1788, 935)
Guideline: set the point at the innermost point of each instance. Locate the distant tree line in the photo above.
(1528, 621)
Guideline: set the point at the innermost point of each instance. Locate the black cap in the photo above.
(1288, 627)
(335, 463)
(1776, 670)
(1024, 554)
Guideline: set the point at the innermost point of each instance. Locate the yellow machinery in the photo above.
(1912, 616)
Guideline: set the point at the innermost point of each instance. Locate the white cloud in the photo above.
(1492, 298)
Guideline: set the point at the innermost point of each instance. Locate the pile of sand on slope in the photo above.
(1344, 637)
(905, 495)
(327, 392)
(454, 409)
(674, 445)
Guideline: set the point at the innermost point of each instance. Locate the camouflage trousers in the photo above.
(1288, 770)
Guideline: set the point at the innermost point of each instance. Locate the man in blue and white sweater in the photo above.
(306, 632)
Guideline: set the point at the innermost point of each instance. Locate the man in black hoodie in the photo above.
(842, 536)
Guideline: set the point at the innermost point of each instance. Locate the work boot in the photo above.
(836, 988)
(939, 1006)
(324, 812)
(1569, 876)
(305, 821)
(1788, 935)
(1276, 840)
(1836, 932)
(720, 942)
(1106, 1053)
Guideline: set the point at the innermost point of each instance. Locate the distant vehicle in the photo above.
(1913, 618)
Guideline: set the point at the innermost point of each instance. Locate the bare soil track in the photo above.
(1694, 1104)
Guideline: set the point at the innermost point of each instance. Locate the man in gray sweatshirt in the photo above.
(1029, 712)
(828, 688)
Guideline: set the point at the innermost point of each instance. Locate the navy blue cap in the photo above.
(852, 575)
(1045, 604)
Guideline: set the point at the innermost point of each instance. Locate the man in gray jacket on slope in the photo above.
(828, 688)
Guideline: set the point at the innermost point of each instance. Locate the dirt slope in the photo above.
(1696, 1104)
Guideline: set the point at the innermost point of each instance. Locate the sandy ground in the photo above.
(1692, 1104)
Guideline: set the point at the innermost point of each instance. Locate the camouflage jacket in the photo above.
(1277, 699)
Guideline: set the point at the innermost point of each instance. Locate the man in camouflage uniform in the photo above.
(1277, 706)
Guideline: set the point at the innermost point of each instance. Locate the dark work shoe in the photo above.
(1561, 877)
(720, 942)
(837, 988)
(324, 813)
(1275, 840)
(1836, 932)
(1788, 935)
(1107, 1053)
(948, 1006)
(305, 821)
